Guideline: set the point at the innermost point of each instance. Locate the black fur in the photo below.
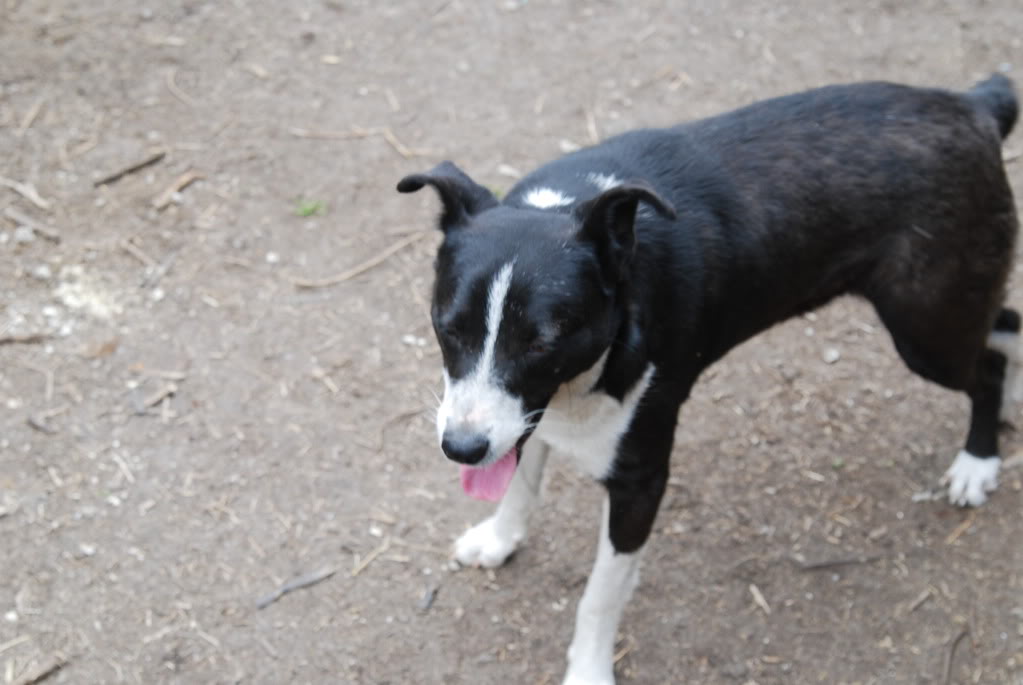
(892, 193)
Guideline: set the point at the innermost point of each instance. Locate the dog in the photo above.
(577, 313)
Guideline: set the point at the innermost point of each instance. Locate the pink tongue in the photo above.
(490, 482)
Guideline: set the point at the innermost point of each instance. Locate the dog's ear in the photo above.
(461, 196)
(608, 221)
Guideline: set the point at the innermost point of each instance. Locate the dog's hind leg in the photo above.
(974, 473)
(490, 542)
(951, 349)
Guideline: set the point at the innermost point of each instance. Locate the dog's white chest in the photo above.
(588, 425)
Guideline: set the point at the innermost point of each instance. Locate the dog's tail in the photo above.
(997, 96)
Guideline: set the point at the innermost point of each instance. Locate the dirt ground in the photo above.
(185, 427)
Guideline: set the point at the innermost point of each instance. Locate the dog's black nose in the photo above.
(465, 447)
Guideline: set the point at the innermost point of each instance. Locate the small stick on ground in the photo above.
(11, 644)
(158, 271)
(359, 133)
(160, 395)
(361, 566)
(27, 191)
(303, 581)
(45, 231)
(359, 269)
(835, 563)
(24, 339)
(37, 423)
(154, 157)
(180, 183)
(961, 528)
(49, 668)
(758, 599)
(138, 253)
(172, 86)
(623, 652)
(950, 655)
(30, 117)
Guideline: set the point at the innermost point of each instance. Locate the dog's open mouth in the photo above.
(490, 482)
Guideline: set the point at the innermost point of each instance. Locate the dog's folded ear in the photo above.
(608, 221)
(461, 196)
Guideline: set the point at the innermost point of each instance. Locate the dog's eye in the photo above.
(538, 347)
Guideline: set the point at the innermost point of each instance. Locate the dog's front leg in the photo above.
(490, 542)
(628, 516)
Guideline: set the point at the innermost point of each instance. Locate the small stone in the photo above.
(86, 549)
(272, 258)
(736, 671)
(23, 235)
(42, 272)
(11, 616)
(831, 355)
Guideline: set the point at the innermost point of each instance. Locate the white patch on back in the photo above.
(547, 198)
(603, 181)
(970, 478)
(588, 425)
(476, 402)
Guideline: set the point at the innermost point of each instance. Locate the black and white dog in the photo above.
(578, 313)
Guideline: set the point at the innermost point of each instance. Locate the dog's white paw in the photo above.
(970, 478)
(488, 544)
(592, 671)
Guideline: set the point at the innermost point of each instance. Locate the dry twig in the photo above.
(758, 599)
(172, 86)
(24, 339)
(180, 183)
(362, 268)
(27, 191)
(361, 566)
(359, 133)
(950, 655)
(49, 668)
(958, 531)
(835, 563)
(30, 117)
(47, 232)
(303, 581)
(154, 157)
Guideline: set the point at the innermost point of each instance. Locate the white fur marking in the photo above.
(603, 181)
(614, 577)
(476, 402)
(547, 198)
(588, 425)
(490, 542)
(970, 478)
(1012, 385)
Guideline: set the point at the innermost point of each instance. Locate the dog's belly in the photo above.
(587, 425)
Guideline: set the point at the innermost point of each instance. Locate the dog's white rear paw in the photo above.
(488, 544)
(970, 478)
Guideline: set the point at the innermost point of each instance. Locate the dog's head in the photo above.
(524, 300)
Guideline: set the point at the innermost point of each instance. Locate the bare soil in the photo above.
(184, 429)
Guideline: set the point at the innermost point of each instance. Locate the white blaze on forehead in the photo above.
(477, 402)
(495, 310)
(546, 198)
